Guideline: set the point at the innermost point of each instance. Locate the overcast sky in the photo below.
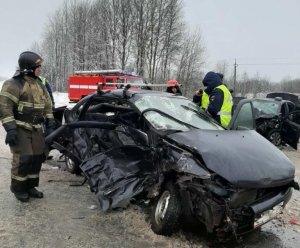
(262, 35)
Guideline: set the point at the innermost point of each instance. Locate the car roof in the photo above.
(272, 100)
(136, 94)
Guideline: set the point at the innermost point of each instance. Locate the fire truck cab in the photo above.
(82, 83)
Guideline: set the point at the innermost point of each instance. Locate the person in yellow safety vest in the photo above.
(204, 100)
(48, 87)
(201, 98)
(220, 99)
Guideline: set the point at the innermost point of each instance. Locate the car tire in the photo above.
(72, 166)
(165, 216)
(274, 136)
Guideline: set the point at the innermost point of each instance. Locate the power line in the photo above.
(273, 64)
(258, 58)
(261, 58)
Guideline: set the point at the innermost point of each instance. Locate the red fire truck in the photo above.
(82, 83)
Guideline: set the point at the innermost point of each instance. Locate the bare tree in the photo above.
(191, 60)
(140, 22)
(145, 36)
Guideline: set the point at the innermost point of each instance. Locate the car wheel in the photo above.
(166, 211)
(275, 137)
(71, 166)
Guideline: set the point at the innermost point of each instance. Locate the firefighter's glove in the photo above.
(11, 137)
(50, 127)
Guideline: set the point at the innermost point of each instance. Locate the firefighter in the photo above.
(173, 87)
(220, 99)
(25, 107)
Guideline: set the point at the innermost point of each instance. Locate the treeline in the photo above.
(148, 37)
(257, 85)
(246, 85)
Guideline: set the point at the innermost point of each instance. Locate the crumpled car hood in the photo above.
(244, 158)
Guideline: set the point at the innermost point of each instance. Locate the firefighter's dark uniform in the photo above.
(25, 105)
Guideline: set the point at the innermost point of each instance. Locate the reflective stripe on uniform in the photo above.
(223, 113)
(33, 176)
(27, 125)
(39, 106)
(10, 96)
(30, 105)
(18, 178)
(49, 116)
(8, 119)
(26, 104)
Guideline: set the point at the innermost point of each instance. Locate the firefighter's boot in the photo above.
(33, 192)
(21, 196)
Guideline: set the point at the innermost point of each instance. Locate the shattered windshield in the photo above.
(181, 109)
(266, 107)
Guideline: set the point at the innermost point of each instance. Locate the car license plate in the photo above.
(268, 215)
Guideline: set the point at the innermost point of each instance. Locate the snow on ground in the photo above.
(60, 99)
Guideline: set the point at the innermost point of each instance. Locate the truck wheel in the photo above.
(275, 137)
(71, 166)
(166, 211)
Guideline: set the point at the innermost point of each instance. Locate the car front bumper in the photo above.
(268, 209)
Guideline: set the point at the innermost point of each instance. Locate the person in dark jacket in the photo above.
(220, 100)
(197, 97)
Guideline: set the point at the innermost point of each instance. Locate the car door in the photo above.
(289, 128)
(243, 116)
(290, 133)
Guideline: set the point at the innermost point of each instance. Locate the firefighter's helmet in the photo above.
(171, 83)
(29, 61)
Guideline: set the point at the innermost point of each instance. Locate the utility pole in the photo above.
(234, 77)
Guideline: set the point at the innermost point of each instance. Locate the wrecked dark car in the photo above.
(277, 120)
(286, 96)
(157, 148)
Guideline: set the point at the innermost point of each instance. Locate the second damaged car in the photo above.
(158, 148)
